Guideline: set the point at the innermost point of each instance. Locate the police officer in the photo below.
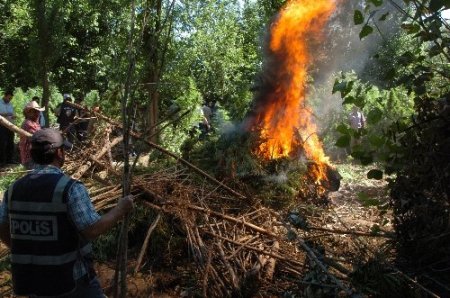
(47, 220)
(66, 116)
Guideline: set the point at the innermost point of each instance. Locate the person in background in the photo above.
(356, 119)
(357, 122)
(31, 124)
(82, 123)
(41, 114)
(205, 124)
(66, 116)
(6, 135)
(47, 220)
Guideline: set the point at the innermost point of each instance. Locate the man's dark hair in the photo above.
(9, 92)
(36, 98)
(44, 145)
(43, 157)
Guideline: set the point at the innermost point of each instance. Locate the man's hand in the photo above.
(126, 204)
(108, 220)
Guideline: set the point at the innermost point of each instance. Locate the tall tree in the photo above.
(157, 35)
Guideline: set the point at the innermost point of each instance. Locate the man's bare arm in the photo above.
(109, 220)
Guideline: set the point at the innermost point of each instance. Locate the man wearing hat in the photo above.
(47, 220)
(6, 135)
(32, 112)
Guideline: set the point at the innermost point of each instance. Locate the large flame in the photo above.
(282, 115)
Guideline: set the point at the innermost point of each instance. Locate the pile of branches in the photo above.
(238, 246)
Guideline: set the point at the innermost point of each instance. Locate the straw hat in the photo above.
(33, 105)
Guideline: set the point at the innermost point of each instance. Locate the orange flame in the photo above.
(285, 121)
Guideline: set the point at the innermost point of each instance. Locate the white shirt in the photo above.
(6, 108)
(356, 119)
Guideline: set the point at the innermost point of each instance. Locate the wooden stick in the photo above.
(233, 219)
(313, 256)
(268, 274)
(233, 277)
(414, 282)
(147, 238)
(261, 251)
(14, 128)
(83, 169)
(335, 231)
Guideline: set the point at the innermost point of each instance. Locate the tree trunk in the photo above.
(44, 52)
(156, 40)
(153, 109)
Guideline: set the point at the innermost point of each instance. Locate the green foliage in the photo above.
(358, 17)
(343, 141)
(366, 30)
(410, 137)
(6, 180)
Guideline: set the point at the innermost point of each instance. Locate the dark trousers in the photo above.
(6, 145)
(85, 289)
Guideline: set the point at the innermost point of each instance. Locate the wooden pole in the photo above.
(14, 128)
(122, 254)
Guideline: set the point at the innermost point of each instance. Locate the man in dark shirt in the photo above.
(66, 116)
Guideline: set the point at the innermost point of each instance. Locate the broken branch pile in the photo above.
(239, 247)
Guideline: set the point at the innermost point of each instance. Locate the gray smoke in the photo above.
(342, 50)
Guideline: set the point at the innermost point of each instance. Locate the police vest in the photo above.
(44, 243)
(66, 115)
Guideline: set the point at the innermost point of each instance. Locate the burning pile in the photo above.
(282, 117)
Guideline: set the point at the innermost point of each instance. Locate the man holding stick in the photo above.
(47, 220)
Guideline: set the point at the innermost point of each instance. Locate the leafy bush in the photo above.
(414, 143)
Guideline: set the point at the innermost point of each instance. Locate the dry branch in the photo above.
(14, 128)
(83, 169)
(261, 251)
(313, 256)
(349, 232)
(270, 266)
(161, 149)
(144, 246)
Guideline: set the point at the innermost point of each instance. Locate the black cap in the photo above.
(48, 138)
